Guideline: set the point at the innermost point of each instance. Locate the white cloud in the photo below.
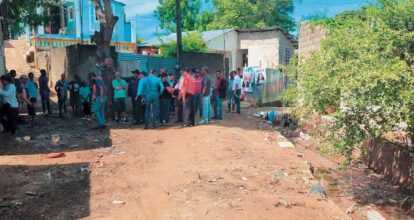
(140, 7)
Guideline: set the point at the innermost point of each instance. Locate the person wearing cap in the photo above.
(100, 95)
(61, 89)
(9, 107)
(120, 93)
(150, 88)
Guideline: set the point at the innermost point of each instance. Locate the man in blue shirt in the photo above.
(31, 91)
(150, 88)
(100, 94)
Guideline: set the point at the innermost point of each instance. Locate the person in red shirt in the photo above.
(187, 92)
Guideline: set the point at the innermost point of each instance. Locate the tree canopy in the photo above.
(227, 14)
(192, 42)
(19, 14)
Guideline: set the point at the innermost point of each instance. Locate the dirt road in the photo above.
(226, 170)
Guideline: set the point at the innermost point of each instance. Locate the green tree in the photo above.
(18, 14)
(192, 42)
(252, 14)
(190, 11)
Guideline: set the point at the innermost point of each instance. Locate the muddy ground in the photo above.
(231, 169)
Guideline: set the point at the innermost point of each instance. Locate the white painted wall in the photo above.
(227, 42)
(265, 49)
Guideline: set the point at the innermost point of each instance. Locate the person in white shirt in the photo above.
(237, 91)
(9, 107)
(178, 87)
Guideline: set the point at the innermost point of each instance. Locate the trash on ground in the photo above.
(374, 215)
(118, 202)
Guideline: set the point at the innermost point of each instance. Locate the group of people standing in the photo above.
(155, 96)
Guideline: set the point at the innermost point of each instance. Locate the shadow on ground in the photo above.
(53, 134)
(45, 192)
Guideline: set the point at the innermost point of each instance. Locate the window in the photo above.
(96, 15)
(70, 12)
(287, 56)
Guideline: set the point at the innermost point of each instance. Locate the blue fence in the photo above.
(128, 62)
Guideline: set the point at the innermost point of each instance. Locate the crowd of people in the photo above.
(155, 97)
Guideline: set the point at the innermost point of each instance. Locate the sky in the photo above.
(142, 11)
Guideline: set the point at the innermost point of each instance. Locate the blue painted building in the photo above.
(76, 21)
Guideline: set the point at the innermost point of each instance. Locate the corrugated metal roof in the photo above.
(207, 36)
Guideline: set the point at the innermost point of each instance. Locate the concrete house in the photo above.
(268, 47)
(75, 22)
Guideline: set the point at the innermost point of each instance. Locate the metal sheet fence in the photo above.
(144, 63)
(271, 91)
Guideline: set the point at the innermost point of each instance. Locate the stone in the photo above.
(286, 144)
(318, 190)
(374, 215)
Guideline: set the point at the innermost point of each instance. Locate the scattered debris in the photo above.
(374, 215)
(304, 136)
(30, 193)
(74, 146)
(243, 178)
(281, 174)
(351, 209)
(116, 202)
(286, 144)
(287, 204)
(55, 139)
(53, 155)
(318, 190)
(158, 141)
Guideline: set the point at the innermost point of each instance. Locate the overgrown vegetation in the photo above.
(192, 42)
(364, 71)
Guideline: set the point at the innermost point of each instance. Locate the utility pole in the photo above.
(178, 30)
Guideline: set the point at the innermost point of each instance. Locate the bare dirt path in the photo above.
(225, 170)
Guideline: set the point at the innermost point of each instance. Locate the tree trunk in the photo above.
(3, 36)
(103, 38)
